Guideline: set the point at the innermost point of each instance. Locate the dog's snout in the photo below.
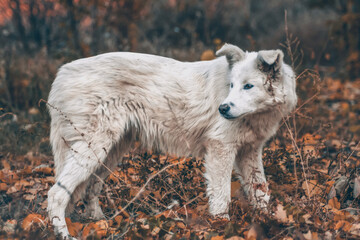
(224, 108)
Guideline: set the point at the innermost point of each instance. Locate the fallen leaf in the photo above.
(235, 189)
(314, 236)
(29, 197)
(280, 213)
(98, 228)
(155, 231)
(251, 234)
(31, 219)
(235, 238)
(343, 225)
(312, 188)
(9, 226)
(355, 229)
(308, 235)
(3, 187)
(334, 203)
(5, 164)
(306, 218)
(74, 228)
(11, 190)
(217, 238)
(23, 183)
(44, 169)
(181, 225)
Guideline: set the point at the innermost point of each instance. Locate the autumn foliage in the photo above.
(313, 179)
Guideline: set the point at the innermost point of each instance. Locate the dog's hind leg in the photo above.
(92, 208)
(81, 162)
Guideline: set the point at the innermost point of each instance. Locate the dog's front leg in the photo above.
(219, 162)
(249, 167)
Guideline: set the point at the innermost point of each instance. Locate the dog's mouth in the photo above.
(231, 117)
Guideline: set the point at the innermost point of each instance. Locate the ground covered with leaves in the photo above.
(312, 166)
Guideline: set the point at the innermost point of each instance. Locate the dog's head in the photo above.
(256, 81)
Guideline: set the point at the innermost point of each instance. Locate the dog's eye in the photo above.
(231, 85)
(248, 86)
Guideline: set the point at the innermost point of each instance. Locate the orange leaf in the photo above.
(99, 228)
(181, 225)
(74, 228)
(44, 170)
(118, 219)
(217, 238)
(343, 225)
(31, 219)
(23, 183)
(235, 189)
(89, 230)
(314, 236)
(235, 238)
(3, 187)
(311, 188)
(251, 233)
(334, 203)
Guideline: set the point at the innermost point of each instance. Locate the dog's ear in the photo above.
(270, 60)
(233, 53)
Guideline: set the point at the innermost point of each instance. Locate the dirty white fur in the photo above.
(100, 105)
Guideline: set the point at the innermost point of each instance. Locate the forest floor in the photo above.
(312, 165)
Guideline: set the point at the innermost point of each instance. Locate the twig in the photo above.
(144, 187)
(295, 146)
(5, 114)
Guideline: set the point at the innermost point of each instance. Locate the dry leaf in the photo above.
(334, 203)
(308, 235)
(9, 226)
(11, 190)
(355, 229)
(235, 189)
(29, 197)
(74, 228)
(181, 225)
(3, 187)
(280, 213)
(311, 188)
(44, 169)
(155, 231)
(98, 228)
(217, 238)
(251, 234)
(306, 218)
(343, 225)
(235, 238)
(23, 183)
(31, 219)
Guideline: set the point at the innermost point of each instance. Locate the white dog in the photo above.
(223, 110)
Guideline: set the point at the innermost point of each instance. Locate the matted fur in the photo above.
(100, 105)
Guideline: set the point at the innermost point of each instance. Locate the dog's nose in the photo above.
(224, 108)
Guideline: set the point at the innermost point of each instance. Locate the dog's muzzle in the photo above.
(224, 110)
